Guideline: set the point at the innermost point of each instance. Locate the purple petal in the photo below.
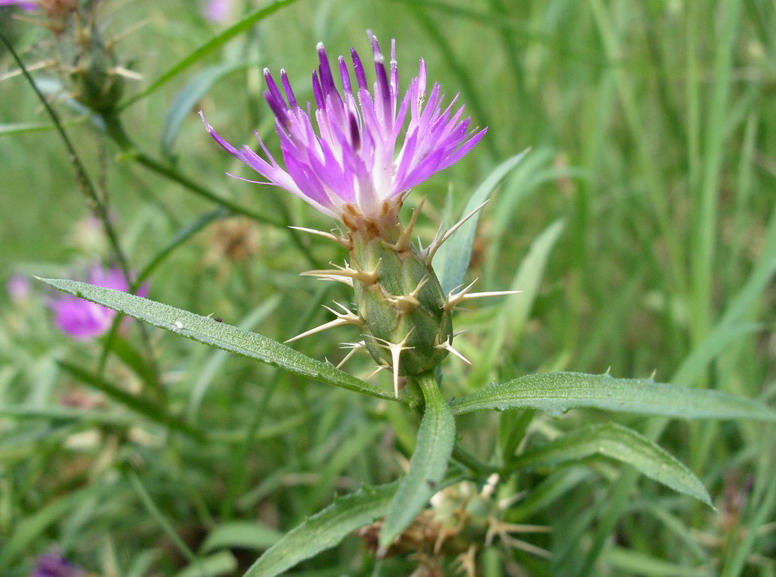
(27, 5)
(346, 151)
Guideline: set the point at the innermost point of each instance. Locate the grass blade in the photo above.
(133, 403)
(452, 258)
(210, 46)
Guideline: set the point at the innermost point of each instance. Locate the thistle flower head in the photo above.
(18, 288)
(53, 564)
(83, 319)
(28, 5)
(217, 10)
(357, 155)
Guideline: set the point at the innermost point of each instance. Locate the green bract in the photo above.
(406, 321)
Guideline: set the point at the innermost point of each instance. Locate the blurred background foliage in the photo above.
(641, 227)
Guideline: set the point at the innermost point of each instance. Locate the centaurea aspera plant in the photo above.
(369, 150)
(356, 162)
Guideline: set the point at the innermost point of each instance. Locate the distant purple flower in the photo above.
(23, 4)
(18, 288)
(53, 564)
(369, 148)
(217, 10)
(82, 319)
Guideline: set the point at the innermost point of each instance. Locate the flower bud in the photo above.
(406, 323)
(95, 81)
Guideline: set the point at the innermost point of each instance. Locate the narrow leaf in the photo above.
(434, 445)
(180, 239)
(130, 401)
(517, 308)
(324, 530)
(67, 415)
(222, 563)
(209, 331)
(242, 535)
(556, 393)
(452, 259)
(33, 526)
(134, 359)
(621, 444)
(637, 563)
(210, 46)
(27, 127)
(210, 368)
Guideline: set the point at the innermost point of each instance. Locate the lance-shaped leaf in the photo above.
(452, 259)
(324, 530)
(433, 447)
(556, 393)
(213, 44)
(222, 335)
(621, 444)
(132, 402)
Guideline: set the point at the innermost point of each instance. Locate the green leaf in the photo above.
(637, 563)
(222, 563)
(452, 259)
(242, 535)
(324, 530)
(28, 127)
(31, 528)
(224, 336)
(434, 445)
(556, 393)
(548, 491)
(210, 46)
(210, 368)
(130, 401)
(621, 444)
(517, 308)
(179, 240)
(135, 360)
(67, 415)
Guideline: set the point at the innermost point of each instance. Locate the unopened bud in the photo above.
(406, 324)
(96, 83)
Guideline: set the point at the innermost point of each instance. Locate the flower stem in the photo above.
(118, 134)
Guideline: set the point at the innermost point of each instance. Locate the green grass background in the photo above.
(641, 226)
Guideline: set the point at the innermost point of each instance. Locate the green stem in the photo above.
(93, 198)
(81, 175)
(117, 133)
(469, 461)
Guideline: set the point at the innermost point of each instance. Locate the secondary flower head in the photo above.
(55, 565)
(217, 10)
(18, 288)
(365, 149)
(83, 319)
(28, 5)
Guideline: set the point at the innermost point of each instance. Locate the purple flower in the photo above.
(23, 4)
(217, 10)
(369, 149)
(18, 288)
(83, 319)
(53, 564)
